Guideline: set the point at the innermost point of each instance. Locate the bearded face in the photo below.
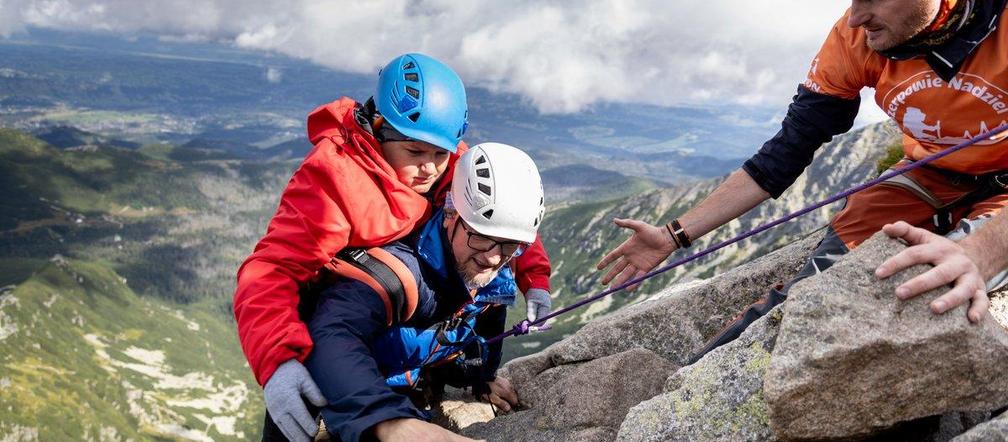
(890, 23)
(478, 258)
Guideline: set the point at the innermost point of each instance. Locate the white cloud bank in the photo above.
(563, 56)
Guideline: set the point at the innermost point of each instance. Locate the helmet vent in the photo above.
(488, 214)
(414, 116)
(411, 77)
(413, 92)
(406, 104)
(481, 159)
(484, 188)
(483, 173)
(409, 65)
(536, 222)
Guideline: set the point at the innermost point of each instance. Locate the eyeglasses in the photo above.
(483, 243)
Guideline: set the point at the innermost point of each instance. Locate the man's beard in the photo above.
(477, 281)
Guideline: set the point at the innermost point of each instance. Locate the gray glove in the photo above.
(538, 304)
(283, 394)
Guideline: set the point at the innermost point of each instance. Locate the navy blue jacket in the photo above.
(350, 318)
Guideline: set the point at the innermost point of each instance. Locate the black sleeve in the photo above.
(812, 119)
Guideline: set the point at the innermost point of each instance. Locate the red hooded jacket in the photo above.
(343, 194)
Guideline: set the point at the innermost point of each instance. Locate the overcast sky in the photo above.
(562, 55)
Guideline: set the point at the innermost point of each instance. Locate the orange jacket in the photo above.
(343, 194)
(933, 113)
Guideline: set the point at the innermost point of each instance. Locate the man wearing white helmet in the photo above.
(377, 339)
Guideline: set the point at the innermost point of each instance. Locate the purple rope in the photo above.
(523, 327)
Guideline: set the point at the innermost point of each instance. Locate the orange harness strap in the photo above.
(385, 274)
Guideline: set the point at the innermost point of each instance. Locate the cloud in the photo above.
(562, 56)
(274, 75)
(10, 17)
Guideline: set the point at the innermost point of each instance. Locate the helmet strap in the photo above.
(449, 202)
(385, 132)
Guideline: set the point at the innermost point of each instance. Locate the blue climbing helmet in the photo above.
(423, 99)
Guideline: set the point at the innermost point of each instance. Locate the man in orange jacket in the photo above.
(372, 177)
(940, 70)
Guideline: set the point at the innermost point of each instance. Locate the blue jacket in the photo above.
(357, 358)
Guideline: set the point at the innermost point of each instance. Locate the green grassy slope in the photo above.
(131, 337)
(82, 357)
(48, 183)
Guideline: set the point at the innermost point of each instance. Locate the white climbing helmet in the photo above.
(497, 190)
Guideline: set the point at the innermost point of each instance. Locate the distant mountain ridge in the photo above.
(580, 183)
(65, 137)
(146, 91)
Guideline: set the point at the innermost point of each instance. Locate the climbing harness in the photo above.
(445, 342)
(523, 327)
(984, 187)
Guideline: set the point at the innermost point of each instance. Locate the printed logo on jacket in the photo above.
(910, 101)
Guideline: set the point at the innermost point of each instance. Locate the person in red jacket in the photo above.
(372, 177)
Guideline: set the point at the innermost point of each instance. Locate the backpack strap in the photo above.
(385, 274)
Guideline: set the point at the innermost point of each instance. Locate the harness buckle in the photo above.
(357, 255)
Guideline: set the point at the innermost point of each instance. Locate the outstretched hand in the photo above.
(647, 247)
(952, 265)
